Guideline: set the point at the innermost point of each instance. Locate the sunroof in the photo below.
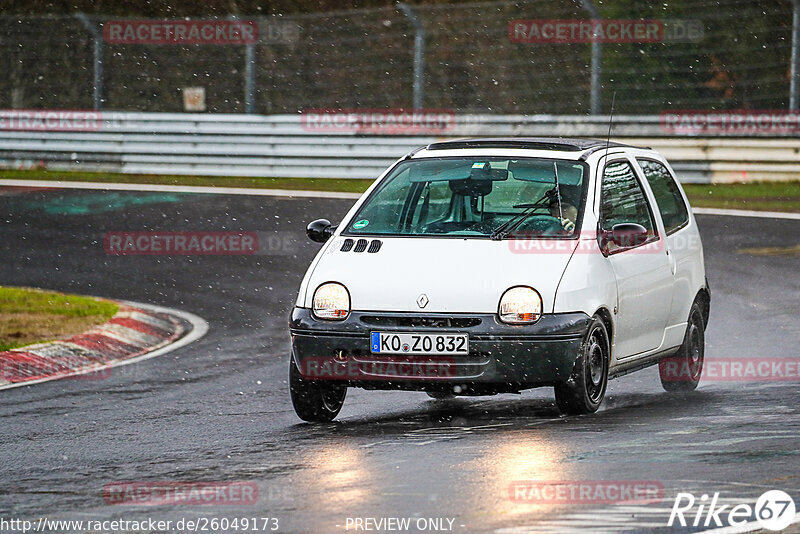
(563, 144)
(530, 145)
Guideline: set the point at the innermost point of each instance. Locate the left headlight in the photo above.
(331, 301)
(520, 305)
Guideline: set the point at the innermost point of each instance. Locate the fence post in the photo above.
(419, 54)
(794, 80)
(249, 77)
(249, 73)
(97, 89)
(597, 61)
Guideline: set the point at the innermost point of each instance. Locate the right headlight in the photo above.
(331, 301)
(520, 305)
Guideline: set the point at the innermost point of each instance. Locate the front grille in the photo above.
(416, 321)
(361, 245)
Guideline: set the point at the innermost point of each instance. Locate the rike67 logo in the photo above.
(774, 510)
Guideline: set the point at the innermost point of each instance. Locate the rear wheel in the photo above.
(682, 371)
(314, 400)
(583, 392)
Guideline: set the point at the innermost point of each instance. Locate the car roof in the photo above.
(532, 143)
(570, 147)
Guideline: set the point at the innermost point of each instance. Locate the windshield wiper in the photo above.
(505, 229)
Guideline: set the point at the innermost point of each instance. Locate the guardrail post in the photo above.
(597, 62)
(794, 80)
(419, 54)
(97, 89)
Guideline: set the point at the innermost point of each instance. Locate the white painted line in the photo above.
(199, 329)
(747, 213)
(182, 189)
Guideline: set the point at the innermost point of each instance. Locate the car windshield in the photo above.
(476, 197)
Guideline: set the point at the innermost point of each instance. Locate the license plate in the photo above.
(400, 343)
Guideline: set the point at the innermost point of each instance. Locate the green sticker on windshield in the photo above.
(358, 225)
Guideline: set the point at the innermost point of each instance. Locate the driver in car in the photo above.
(566, 213)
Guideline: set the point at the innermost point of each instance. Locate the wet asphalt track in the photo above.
(218, 410)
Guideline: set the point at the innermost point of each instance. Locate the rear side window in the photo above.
(670, 202)
(623, 199)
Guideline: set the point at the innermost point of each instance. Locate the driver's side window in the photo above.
(385, 214)
(622, 199)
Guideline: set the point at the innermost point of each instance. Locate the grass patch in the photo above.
(761, 196)
(30, 316)
(346, 185)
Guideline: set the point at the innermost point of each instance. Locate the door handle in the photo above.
(672, 264)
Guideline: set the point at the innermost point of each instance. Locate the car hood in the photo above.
(457, 275)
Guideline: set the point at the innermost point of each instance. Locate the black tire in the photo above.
(682, 372)
(583, 392)
(440, 395)
(314, 401)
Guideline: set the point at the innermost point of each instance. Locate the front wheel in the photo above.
(313, 400)
(583, 392)
(682, 371)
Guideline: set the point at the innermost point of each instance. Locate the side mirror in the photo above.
(623, 235)
(320, 231)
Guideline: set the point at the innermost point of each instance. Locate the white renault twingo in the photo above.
(484, 266)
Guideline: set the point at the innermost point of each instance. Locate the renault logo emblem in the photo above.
(422, 300)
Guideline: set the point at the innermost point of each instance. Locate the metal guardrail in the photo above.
(280, 146)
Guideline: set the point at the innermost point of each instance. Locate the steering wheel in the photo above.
(541, 224)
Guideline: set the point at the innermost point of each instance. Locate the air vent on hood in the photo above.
(375, 246)
(347, 245)
(361, 245)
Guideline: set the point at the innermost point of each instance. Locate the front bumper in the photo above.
(501, 357)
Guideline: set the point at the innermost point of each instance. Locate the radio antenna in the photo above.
(610, 121)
